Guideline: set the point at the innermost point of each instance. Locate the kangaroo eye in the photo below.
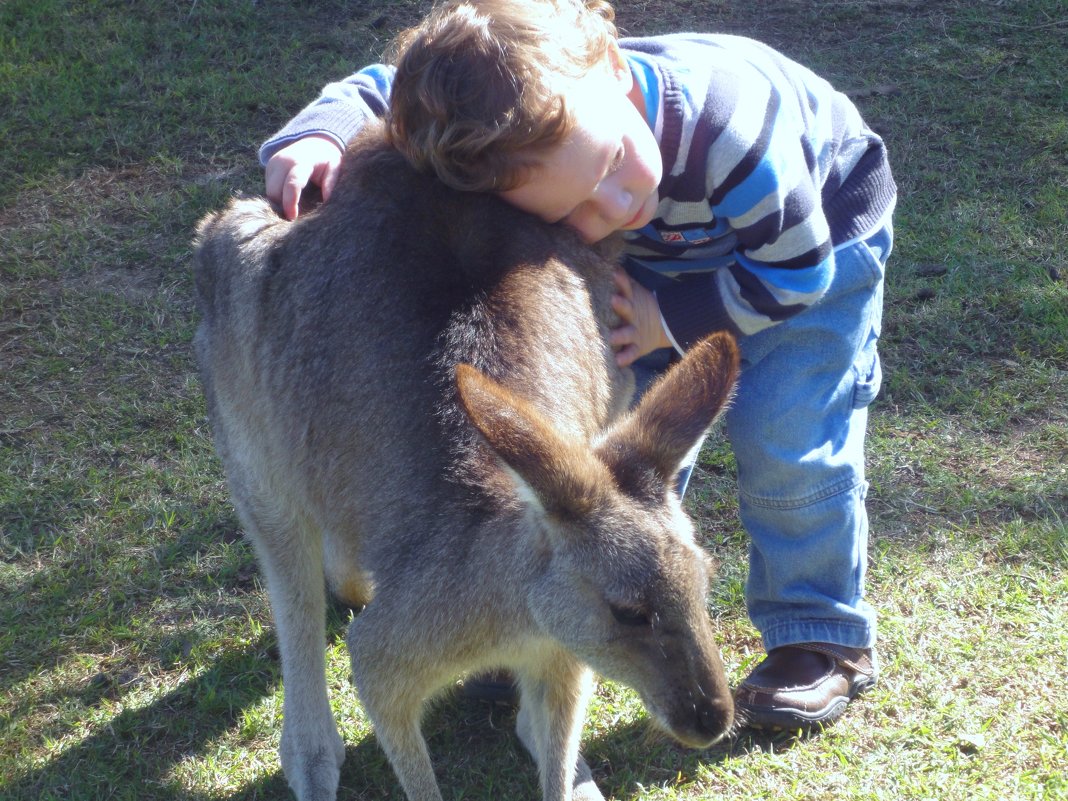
(629, 615)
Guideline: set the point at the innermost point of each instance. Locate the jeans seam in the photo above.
(830, 491)
(785, 629)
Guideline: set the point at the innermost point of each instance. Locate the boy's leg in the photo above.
(797, 428)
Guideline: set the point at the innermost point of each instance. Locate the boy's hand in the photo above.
(313, 159)
(642, 330)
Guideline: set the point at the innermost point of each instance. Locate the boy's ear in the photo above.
(618, 65)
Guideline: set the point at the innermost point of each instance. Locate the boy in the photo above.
(751, 197)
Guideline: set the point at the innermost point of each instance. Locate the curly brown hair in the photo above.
(482, 84)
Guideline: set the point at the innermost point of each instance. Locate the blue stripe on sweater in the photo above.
(645, 75)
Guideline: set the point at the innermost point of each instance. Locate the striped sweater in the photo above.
(767, 169)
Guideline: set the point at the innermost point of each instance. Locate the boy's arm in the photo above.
(743, 298)
(308, 148)
(339, 112)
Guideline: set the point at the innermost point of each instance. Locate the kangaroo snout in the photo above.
(695, 707)
(697, 713)
(714, 720)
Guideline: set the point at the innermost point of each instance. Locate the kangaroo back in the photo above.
(338, 332)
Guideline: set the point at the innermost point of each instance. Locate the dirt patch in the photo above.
(112, 231)
(96, 193)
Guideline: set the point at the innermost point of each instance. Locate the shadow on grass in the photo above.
(90, 588)
(473, 745)
(132, 755)
(629, 759)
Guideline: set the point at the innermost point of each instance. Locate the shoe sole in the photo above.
(789, 719)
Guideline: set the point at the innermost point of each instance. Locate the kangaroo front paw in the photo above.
(583, 787)
(587, 791)
(524, 728)
(312, 764)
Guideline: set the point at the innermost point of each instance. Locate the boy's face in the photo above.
(604, 178)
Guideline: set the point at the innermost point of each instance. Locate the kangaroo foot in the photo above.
(311, 762)
(585, 789)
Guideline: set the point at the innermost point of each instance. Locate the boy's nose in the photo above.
(614, 202)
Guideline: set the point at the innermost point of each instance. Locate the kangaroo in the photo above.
(414, 399)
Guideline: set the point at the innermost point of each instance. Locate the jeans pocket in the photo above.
(869, 378)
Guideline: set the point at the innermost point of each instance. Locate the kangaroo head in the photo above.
(621, 581)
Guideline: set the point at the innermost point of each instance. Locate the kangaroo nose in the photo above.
(714, 717)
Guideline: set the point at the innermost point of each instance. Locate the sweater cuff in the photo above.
(339, 121)
(691, 309)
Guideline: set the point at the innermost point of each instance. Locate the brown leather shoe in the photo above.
(497, 687)
(805, 685)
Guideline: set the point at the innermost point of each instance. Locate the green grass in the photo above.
(137, 657)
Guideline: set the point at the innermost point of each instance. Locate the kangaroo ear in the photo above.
(674, 413)
(556, 473)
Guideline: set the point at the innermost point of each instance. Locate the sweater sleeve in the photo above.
(339, 112)
(745, 296)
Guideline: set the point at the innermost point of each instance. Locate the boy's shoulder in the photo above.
(702, 74)
(699, 66)
(716, 58)
(715, 72)
(699, 49)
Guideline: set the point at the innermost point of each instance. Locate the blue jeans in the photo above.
(797, 427)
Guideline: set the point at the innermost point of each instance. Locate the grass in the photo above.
(136, 650)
